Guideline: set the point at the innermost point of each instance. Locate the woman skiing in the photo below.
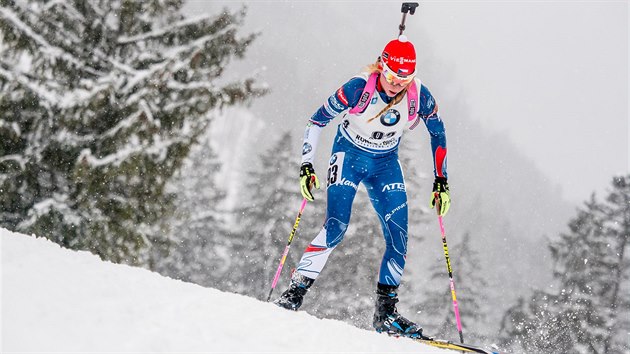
(380, 103)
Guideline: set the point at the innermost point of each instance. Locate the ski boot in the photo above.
(292, 298)
(386, 317)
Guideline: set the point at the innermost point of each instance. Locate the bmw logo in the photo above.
(333, 159)
(391, 117)
(306, 148)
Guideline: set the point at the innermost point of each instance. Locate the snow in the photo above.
(58, 300)
(46, 48)
(17, 158)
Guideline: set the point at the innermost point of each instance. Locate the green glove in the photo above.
(308, 179)
(441, 195)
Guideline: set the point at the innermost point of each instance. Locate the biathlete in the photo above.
(380, 104)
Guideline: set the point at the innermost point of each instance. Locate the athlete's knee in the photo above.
(396, 238)
(335, 230)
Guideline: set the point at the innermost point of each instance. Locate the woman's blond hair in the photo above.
(372, 68)
(375, 68)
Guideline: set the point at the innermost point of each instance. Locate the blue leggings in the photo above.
(382, 176)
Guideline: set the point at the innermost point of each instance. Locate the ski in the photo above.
(460, 347)
(445, 344)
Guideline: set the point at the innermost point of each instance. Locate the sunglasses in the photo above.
(394, 79)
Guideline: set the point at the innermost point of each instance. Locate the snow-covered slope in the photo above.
(58, 300)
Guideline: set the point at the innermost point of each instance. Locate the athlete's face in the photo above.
(392, 87)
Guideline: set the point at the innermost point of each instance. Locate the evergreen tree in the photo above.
(201, 250)
(587, 309)
(436, 309)
(266, 220)
(101, 101)
(418, 185)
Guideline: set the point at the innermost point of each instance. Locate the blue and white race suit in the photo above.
(365, 150)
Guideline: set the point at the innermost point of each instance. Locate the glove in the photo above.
(442, 195)
(308, 179)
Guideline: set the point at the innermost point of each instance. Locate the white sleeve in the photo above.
(311, 139)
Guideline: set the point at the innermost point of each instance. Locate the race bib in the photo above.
(335, 167)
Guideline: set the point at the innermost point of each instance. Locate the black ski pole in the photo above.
(407, 7)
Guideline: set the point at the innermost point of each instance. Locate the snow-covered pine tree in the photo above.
(436, 307)
(101, 101)
(419, 184)
(201, 242)
(586, 310)
(271, 199)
